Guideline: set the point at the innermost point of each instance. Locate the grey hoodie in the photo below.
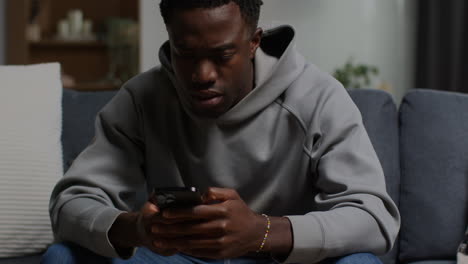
(295, 146)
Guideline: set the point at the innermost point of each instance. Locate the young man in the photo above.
(289, 172)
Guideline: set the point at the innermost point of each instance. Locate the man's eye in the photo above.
(182, 54)
(185, 55)
(226, 56)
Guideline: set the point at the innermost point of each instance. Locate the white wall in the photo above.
(2, 32)
(153, 33)
(378, 32)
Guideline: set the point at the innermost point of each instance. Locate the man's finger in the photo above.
(205, 229)
(200, 212)
(214, 194)
(150, 209)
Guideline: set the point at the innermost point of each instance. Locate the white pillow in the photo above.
(30, 155)
(462, 255)
(462, 258)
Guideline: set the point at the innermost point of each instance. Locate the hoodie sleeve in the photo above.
(105, 180)
(353, 212)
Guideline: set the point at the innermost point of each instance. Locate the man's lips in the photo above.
(205, 94)
(205, 99)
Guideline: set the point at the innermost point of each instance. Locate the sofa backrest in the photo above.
(79, 114)
(377, 108)
(434, 180)
(431, 144)
(380, 117)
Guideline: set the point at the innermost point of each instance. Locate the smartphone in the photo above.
(176, 197)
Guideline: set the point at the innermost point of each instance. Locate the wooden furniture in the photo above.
(86, 61)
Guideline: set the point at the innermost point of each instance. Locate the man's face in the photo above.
(212, 52)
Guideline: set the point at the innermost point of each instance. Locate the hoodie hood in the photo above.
(277, 65)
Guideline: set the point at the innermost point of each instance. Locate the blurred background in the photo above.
(394, 45)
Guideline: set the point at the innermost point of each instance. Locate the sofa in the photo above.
(422, 146)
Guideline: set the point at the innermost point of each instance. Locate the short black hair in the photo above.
(250, 9)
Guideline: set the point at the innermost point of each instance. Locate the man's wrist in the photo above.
(280, 240)
(124, 233)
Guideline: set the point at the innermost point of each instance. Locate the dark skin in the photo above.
(212, 52)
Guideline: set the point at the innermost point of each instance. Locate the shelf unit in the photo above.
(86, 61)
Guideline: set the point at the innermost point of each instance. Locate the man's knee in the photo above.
(359, 258)
(67, 253)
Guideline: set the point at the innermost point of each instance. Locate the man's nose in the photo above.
(204, 73)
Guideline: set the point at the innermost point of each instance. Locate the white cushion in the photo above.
(30, 155)
(462, 255)
(462, 258)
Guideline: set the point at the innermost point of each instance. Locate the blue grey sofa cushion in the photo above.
(380, 118)
(434, 174)
(79, 114)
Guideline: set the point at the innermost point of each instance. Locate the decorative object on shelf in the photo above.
(33, 29)
(75, 27)
(122, 42)
(33, 32)
(68, 81)
(87, 31)
(75, 20)
(63, 29)
(356, 75)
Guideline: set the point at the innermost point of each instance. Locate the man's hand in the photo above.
(134, 230)
(224, 227)
(148, 215)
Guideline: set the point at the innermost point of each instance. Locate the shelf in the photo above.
(50, 43)
(87, 60)
(93, 86)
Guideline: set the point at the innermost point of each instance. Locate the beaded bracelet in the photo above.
(266, 233)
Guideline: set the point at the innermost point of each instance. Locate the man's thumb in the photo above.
(213, 195)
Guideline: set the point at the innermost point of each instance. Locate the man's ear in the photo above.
(255, 42)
